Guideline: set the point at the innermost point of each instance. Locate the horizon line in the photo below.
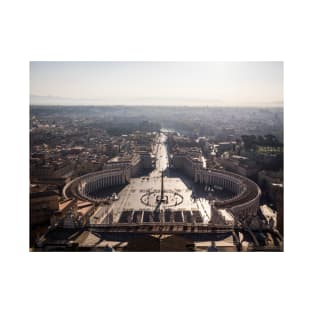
(160, 105)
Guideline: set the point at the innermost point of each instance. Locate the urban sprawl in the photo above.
(140, 178)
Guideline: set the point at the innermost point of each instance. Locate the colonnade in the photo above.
(245, 203)
(102, 182)
(228, 182)
(86, 184)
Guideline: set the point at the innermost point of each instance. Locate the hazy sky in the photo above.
(157, 83)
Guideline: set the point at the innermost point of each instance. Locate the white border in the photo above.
(166, 31)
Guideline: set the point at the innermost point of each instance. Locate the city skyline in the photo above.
(245, 84)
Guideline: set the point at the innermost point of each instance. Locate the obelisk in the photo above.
(162, 187)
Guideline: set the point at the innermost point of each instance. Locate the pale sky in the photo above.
(157, 83)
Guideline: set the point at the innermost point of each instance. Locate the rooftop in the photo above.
(42, 194)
